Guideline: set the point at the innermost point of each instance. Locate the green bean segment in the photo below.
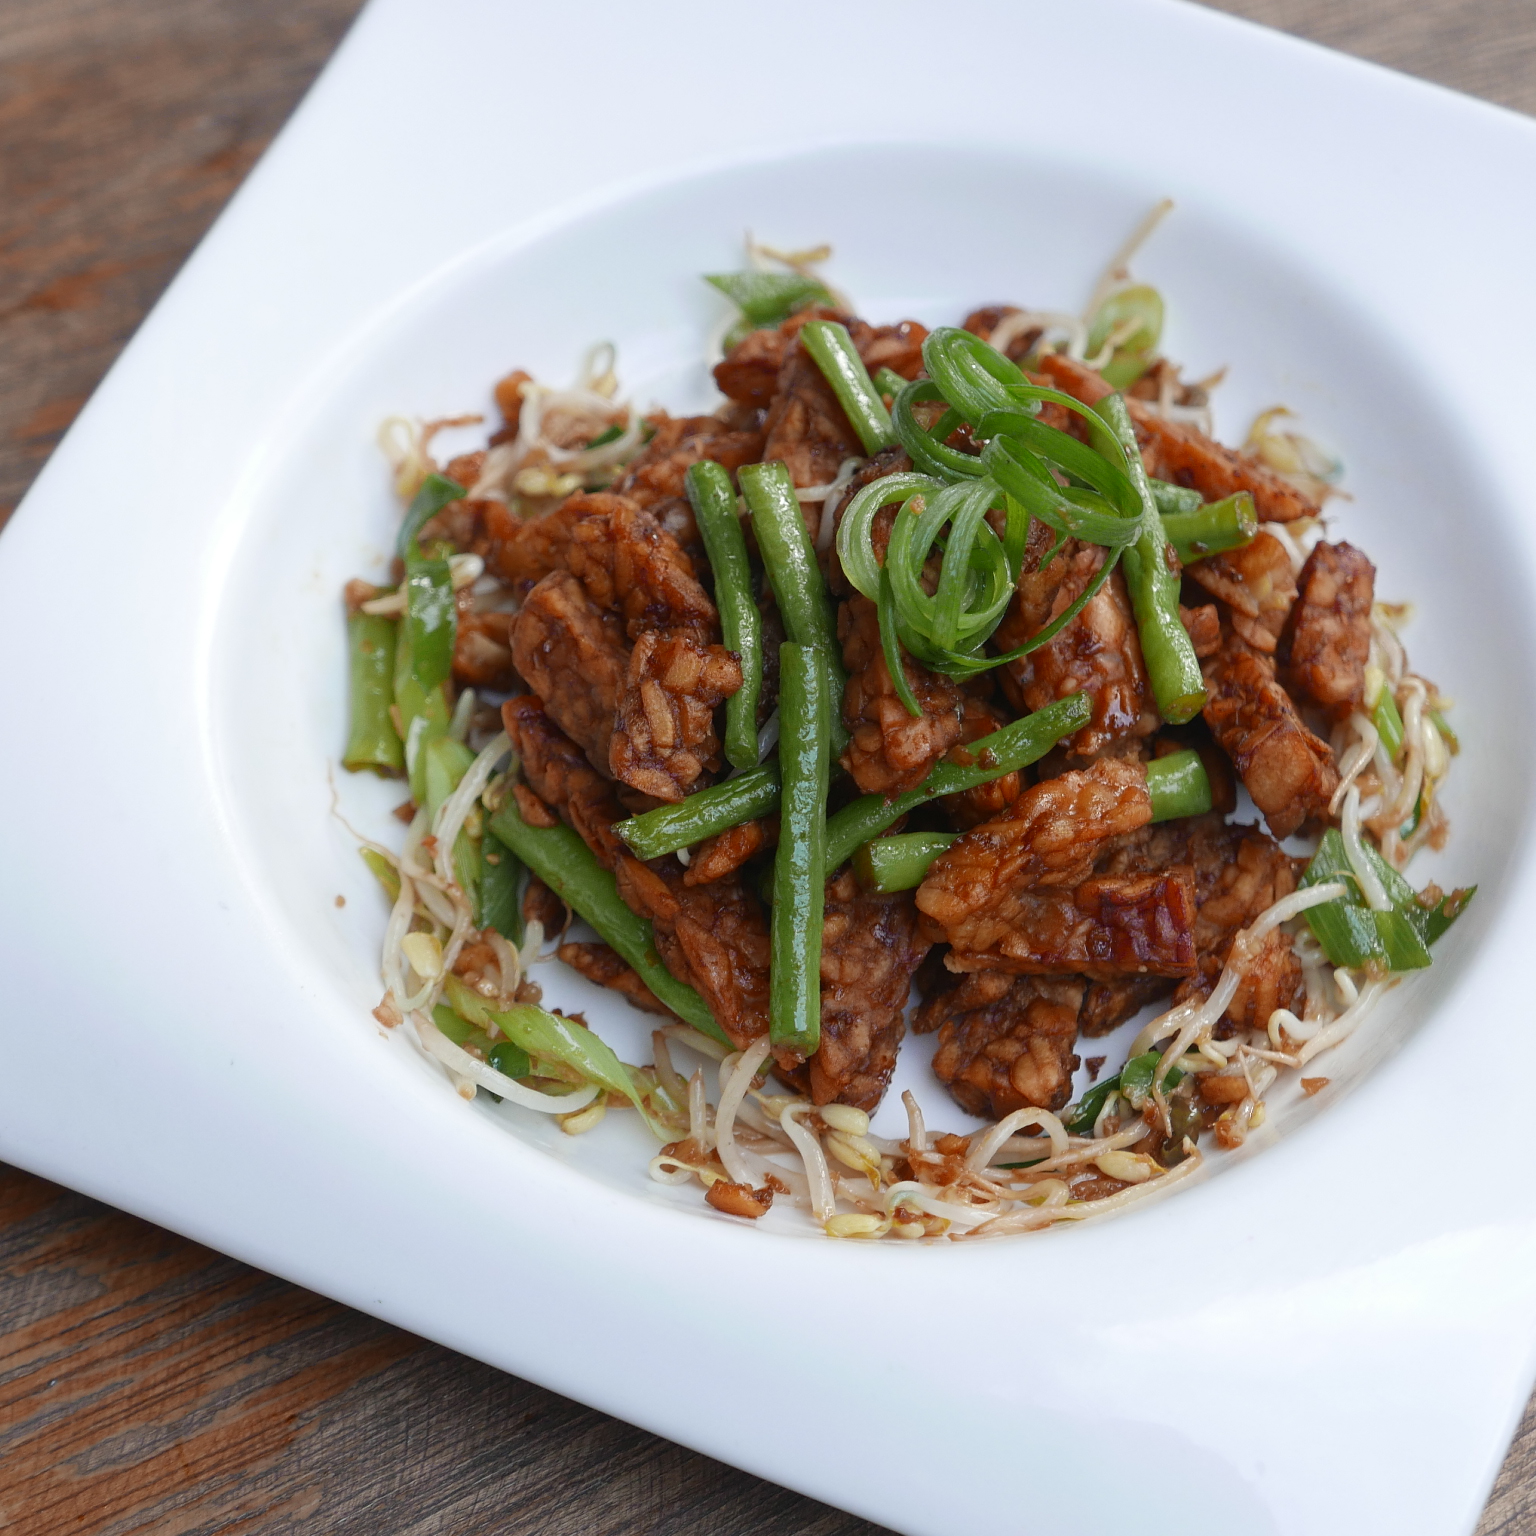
(741, 624)
(372, 740)
(1153, 581)
(1015, 746)
(1174, 498)
(832, 349)
(800, 869)
(703, 814)
(1178, 786)
(1212, 527)
(570, 869)
(799, 588)
(899, 863)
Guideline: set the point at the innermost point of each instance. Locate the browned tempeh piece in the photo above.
(1106, 927)
(1016, 894)
(972, 807)
(482, 650)
(1328, 641)
(1109, 1002)
(558, 772)
(1051, 835)
(1257, 585)
(628, 563)
(608, 968)
(1098, 653)
(572, 659)
(1005, 1042)
(1178, 453)
(724, 853)
(806, 426)
(1287, 770)
(714, 938)
(664, 735)
(870, 948)
(889, 750)
(656, 473)
(1239, 872)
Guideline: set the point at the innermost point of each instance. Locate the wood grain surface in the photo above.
(148, 1385)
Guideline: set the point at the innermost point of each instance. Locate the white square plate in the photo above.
(1335, 1336)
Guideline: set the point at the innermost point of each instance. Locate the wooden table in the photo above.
(147, 1384)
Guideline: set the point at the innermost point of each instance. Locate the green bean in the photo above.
(1015, 746)
(799, 588)
(1153, 580)
(703, 814)
(570, 869)
(1178, 786)
(832, 347)
(800, 870)
(899, 863)
(1172, 499)
(741, 624)
(372, 741)
(789, 556)
(1215, 526)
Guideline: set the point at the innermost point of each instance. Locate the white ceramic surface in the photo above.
(1333, 1336)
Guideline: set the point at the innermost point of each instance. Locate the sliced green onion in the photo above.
(1388, 723)
(1353, 935)
(889, 382)
(548, 1037)
(435, 494)
(1452, 741)
(1135, 317)
(925, 445)
(501, 876)
(766, 298)
(834, 353)
(372, 740)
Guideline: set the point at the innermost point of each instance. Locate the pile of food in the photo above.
(930, 660)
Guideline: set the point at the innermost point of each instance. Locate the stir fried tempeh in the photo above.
(932, 657)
